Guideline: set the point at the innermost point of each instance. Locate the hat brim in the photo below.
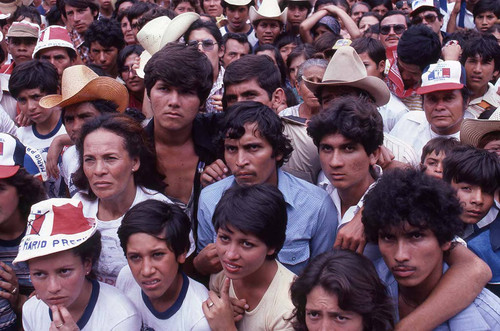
(472, 130)
(255, 16)
(177, 27)
(105, 88)
(439, 87)
(237, 2)
(144, 58)
(8, 171)
(373, 85)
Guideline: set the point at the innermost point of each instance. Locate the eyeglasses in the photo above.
(398, 28)
(429, 18)
(127, 70)
(400, 4)
(207, 44)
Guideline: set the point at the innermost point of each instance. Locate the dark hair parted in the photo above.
(268, 123)
(466, 164)
(259, 210)
(29, 190)
(419, 45)
(182, 67)
(210, 27)
(353, 279)
(239, 37)
(93, 5)
(484, 6)
(438, 145)
(34, 74)
(370, 46)
(164, 221)
(136, 143)
(355, 118)
(23, 12)
(410, 196)
(486, 46)
(106, 32)
(90, 250)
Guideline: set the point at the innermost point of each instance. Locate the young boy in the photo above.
(486, 13)
(413, 218)
(475, 175)
(250, 222)
(30, 81)
(155, 238)
(434, 153)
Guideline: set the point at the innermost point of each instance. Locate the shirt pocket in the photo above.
(294, 254)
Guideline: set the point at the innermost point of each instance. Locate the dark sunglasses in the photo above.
(207, 44)
(429, 18)
(400, 4)
(398, 28)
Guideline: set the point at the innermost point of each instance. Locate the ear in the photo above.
(87, 266)
(381, 66)
(221, 51)
(182, 258)
(136, 163)
(278, 99)
(374, 156)
(446, 246)
(271, 251)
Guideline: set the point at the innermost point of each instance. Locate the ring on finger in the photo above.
(58, 326)
(14, 291)
(210, 304)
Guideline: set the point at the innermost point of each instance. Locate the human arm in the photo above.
(62, 320)
(306, 26)
(452, 22)
(7, 125)
(55, 149)
(219, 311)
(458, 287)
(348, 22)
(351, 236)
(214, 172)
(451, 51)
(9, 288)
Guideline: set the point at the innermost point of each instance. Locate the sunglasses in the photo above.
(206, 44)
(429, 18)
(398, 28)
(400, 4)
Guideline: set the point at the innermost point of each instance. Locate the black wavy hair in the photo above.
(34, 74)
(486, 46)
(419, 45)
(107, 32)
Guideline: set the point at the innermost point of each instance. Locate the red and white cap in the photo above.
(14, 155)
(53, 36)
(4, 16)
(55, 225)
(442, 76)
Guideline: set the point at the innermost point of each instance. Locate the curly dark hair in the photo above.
(419, 45)
(355, 118)
(136, 142)
(106, 32)
(269, 126)
(410, 196)
(29, 190)
(353, 279)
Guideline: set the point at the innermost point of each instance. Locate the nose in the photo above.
(147, 268)
(100, 168)
(439, 167)
(232, 252)
(477, 196)
(241, 158)
(173, 100)
(401, 252)
(477, 67)
(32, 104)
(336, 160)
(77, 124)
(54, 286)
(102, 57)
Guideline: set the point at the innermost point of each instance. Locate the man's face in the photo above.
(28, 103)
(297, 13)
(21, 48)
(372, 68)
(105, 5)
(237, 17)
(246, 91)
(346, 163)
(58, 56)
(358, 11)
(213, 53)
(266, 31)
(330, 93)
(479, 72)
(251, 158)
(79, 18)
(104, 56)
(233, 51)
(173, 108)
(380, 10)
(485, 20)
(413, 255)
(212, 7)
(474, 201)
(430, 19)
(411, 74)
(444, 111)
(75, 116)
(391, 29)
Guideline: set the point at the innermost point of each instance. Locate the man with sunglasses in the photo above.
(425, 13)
(392, 26)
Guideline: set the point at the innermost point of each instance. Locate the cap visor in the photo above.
(439, 87)
(8, 171)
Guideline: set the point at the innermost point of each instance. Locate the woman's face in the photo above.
(59, 279)
(133, 82)
(128, 34)
(184, 7)
(323, 313)
(9, 201)
(214, 52)
(212, 7)
(313, 74)
(108, 166)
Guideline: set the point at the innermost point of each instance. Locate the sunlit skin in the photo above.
(213, 54)
(286, 50)
(475, 201)
(444, 111)
(296, 14)
(184, 7)
(212, 7)
(366, 22)
(433, 164)
(79, 18)
(358, 11)
(485, 20)
(311, 104)
(76, 115)
(155, 269)
(391, 39)
(478, 73)
(233, 51)
(237, 17)
(21, 48)
(58, 56)
(134, 83)
(372, 68)
(59, 280)
(246, 91)
(251, 158)
(266, 31)
(415, 259)
(323, 313)
(105, 57)
(45, 119)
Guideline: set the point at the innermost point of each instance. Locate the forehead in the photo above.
(131, 58)
(53, 51)
(402, 229)
(71, 8)
(425, 12)
(97, 45)
(314, 71)
(336, 139)
(236, 45)
(433, 155)
(268, 22)
(200, 34)
(441, 94)
(237, 234)
(251, 132)
(30, 92)
(337, 90)
(365, 57)
(368, 20)
(83, 107)
(394, 19)
(248, 85)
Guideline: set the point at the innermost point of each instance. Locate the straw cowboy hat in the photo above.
(160, 31)
(347, 69)
(237, 2)
(9, 7)
(472, 130)
(268, 10)
(80, 84)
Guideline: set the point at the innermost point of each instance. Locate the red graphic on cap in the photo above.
(36, 225)
(69, 219)
(1, 147)
(446, 72)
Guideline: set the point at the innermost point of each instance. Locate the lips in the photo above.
(231, 267)
(101, 184)
(337, 176)
(402, 271)
(150, 284)
(56, 300)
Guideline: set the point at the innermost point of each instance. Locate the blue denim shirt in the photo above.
(312, 219)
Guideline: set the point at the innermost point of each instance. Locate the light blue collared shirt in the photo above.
(312, 219)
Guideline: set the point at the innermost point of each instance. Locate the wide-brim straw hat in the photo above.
(347, 69)
(472, 130)
(268, 10)
(80, 84)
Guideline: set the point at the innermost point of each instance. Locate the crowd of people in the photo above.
(250, 165)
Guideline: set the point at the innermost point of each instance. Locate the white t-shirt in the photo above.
(69, 165)
(29, 136)
(392, 112)
(185, 314)
(108, 309)
(7, 125)
(112, 258)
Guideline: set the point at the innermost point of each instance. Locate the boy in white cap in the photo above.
(236, 12)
